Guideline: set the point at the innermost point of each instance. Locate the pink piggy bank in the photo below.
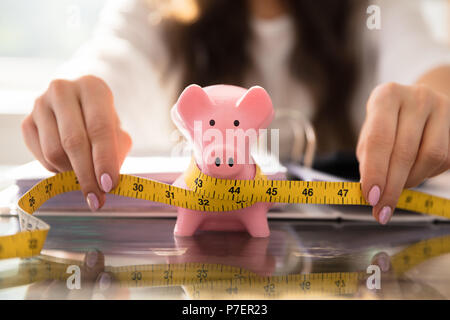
(208, 117)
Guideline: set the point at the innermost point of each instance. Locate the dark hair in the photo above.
(213, 50)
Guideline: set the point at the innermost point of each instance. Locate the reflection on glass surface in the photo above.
(140, 259)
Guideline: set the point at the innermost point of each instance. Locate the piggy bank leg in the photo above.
(187, 223)
(255, 221)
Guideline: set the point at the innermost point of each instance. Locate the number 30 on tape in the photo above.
(216, 196)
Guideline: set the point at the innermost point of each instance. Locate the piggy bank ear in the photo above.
(193, 104)
(256, 106)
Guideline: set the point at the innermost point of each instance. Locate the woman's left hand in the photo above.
(405, 139)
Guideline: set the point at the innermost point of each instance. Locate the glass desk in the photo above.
(133, 258)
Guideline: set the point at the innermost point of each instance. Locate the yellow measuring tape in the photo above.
(206, 194)
(217, 281)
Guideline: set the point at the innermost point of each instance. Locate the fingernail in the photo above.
(91, 259)
(106, 182)
(104, 282)
(383, 262)
(385, 215)
(374, 195)
(92, 201)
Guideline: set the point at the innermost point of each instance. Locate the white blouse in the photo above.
(129, 53)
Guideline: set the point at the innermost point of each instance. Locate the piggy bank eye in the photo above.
(236, 123)
(212, 122)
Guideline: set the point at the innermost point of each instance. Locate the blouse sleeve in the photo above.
(406, 48)
(129, 54)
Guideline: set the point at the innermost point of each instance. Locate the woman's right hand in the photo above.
(74, 126)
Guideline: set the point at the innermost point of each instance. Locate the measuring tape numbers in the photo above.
(209, 194)
(218, 281)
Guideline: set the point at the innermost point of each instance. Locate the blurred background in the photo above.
(36, 37)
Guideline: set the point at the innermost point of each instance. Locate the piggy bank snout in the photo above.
(223, 161)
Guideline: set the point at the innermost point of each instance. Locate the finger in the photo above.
(40, 290)
(93, 266)
(49, 137)
(31, 138)
(106, 288)
(100, 120)
(388, 282)
(433, 157)
(360, 145)
(380, 130)
(103, 283)
(383, 260)
(56, 290)
(94, 263)
(75, 141)
(411, 122)
(125, 144)
(445, 166)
